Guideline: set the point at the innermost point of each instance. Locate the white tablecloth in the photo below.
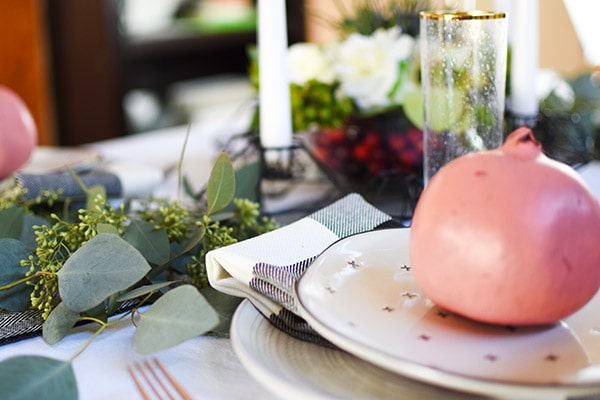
(206, 367)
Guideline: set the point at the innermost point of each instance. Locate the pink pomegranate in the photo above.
(507, 236)
(18, 132)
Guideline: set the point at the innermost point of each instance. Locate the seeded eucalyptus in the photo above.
(89, 265)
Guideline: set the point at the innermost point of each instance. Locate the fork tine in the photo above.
(137, 382)
(175, 384)
(147, 374)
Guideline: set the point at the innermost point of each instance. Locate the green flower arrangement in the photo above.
(370, 69)
(357, 100)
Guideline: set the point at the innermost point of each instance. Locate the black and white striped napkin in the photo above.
(265, 269)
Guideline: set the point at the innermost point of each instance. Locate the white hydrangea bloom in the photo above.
(308, 61)
(368, 66)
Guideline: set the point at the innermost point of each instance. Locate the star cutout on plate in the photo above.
(410, 295)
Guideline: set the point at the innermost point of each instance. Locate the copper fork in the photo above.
(153, 381)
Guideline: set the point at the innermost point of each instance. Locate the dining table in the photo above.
(256, 360)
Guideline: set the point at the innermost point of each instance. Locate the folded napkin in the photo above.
(66, 183)
(15, 326)
(265, 269)
(120, 179)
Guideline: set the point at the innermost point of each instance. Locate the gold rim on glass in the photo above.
(461, 15)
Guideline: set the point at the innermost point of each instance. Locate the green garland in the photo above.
(96, 262)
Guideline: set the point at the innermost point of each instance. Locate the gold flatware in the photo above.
(153, 381)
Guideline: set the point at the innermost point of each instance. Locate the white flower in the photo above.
(368, 66)
(307, 61)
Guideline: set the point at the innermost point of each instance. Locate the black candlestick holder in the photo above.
(515, 121)
(292, 180)
(281, 168)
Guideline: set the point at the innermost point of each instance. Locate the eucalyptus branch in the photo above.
(102, 328)
(25, 279)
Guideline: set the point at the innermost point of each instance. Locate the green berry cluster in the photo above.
(11, 194)
(317, 104)
(57, 241)
(245, 223)
(175, 219)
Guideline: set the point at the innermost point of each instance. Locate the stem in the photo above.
(92, 319)
(24, 280)
(180, 164)
(103, 326)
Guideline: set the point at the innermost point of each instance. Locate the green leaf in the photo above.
(58, 324)
(179, 315)
(179, 250)
(221, 184)
(194, 240)
(152, 243)
(16, 298)
(105, 265)
(36, 377)
(225, 305)
(246, 179)
(98, 312)
(143, 290)
(11, 222)
(107, 228)
(28, 234)
(92, 193)
(413, 108)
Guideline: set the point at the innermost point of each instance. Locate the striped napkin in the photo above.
(265, 269)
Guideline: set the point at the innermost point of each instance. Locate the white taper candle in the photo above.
(524, 36)
(274, 89)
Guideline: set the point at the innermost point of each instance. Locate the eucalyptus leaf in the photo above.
(92, 193)
(221, 184)
(58, 324)
(194, 240)
(98, 312)
(179, 250)
(152, 243)
(16, 298)
(105, 265)
(107, 228)
(28, 234)
(11, 222)
(225, 305)
(112, 305)
(143, 290)
(36, 377)
(180, 314)
(246, 181)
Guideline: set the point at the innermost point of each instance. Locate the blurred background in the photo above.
(96, 69)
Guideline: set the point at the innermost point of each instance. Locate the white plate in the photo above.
(294, 369)
(361, 295)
